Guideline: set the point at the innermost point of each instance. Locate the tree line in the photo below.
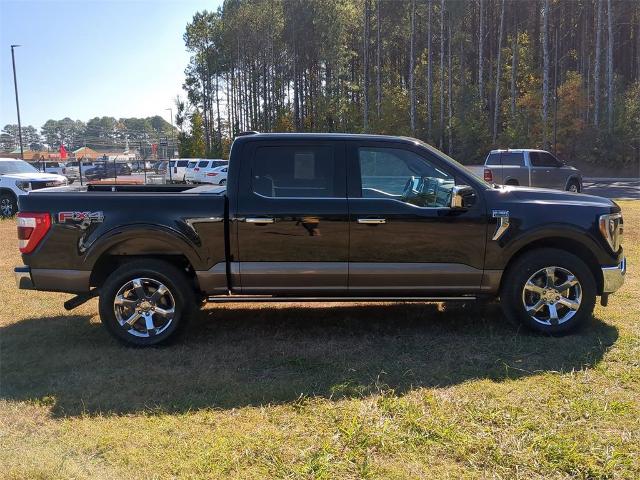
(99, 132)
(465, 76)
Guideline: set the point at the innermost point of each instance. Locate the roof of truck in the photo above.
(332, 136)
(517, 150)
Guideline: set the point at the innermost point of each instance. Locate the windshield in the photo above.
(16, 166)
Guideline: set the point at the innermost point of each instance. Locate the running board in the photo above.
(267, 298)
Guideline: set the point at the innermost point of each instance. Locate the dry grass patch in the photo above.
(313, 391)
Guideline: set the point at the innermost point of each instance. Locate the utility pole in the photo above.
(15, 86)
(173, 146)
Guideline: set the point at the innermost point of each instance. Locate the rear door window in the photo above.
(512, 159)
(203, 164)
(182, 163)
(191, 164)
(300, 171)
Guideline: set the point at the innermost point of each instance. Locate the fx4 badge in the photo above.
(84, 219)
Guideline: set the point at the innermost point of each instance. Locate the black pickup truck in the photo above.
(321, 217)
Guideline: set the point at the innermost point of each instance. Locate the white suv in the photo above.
(178, 169)
(17, 178)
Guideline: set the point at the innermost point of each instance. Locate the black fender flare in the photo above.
(161, 240)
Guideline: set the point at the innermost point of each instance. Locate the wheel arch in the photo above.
(124, 245)
(570, 245)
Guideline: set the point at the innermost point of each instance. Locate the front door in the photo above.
(292, 223)
(546, 171)
(404, 237)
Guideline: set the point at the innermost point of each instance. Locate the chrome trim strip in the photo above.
(613, 277)
(244, 298)
(372, 221)
(259, 220)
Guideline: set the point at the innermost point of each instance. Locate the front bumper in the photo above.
(613, 277)
(23, 278)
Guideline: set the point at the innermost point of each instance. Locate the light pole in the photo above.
(172, 146)
(15, 86)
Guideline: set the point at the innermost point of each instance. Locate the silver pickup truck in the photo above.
(532, 168)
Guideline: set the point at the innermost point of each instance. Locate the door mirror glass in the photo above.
(462, 196)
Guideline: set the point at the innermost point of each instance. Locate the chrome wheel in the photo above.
(552, 295)
(6, 207)
(144, 307)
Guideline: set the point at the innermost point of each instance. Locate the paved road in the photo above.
(622, 188)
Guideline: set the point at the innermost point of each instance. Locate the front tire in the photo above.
(573, 186)
(8, 205)
(549, 290)
(146, 302)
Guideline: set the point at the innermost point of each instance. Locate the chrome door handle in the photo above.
(258, 220)
(372, 221)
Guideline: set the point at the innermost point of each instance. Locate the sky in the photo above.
(82, 59)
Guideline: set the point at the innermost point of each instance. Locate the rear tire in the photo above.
(146, 302)
(8, 205)
(549, 290)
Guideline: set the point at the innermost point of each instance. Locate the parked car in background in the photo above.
(324, 217)
(178, 169)
(103, 170)
(531, 168)
(160, 167)
(206, 170)
(190, 171)
(59, 168)
(215, 176)
(17, 178)
(73, 168)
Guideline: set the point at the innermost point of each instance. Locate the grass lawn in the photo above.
(312, 391)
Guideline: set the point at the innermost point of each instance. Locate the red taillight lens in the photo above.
(32, 227)
(211, 174)
(488, 176)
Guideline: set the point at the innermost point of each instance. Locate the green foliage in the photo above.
(298, 65)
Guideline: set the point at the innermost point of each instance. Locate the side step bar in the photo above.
(266, 298)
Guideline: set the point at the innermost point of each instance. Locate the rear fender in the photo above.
(143, 239)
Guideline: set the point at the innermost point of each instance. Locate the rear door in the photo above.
(291, 217)
(513, 169)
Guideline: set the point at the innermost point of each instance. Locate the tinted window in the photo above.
(191, 164)
(219, 163)
(403, 175)
(182, 163)
(512, 159)
(296, 171)
(203, 163)
(493, 159)
(543, 159)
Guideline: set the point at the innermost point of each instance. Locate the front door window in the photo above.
(404, 176)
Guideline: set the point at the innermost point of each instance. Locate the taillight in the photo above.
(488, 176)
(211, 174)
(32, 227)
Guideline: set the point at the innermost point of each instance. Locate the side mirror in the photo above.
(462, 196)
